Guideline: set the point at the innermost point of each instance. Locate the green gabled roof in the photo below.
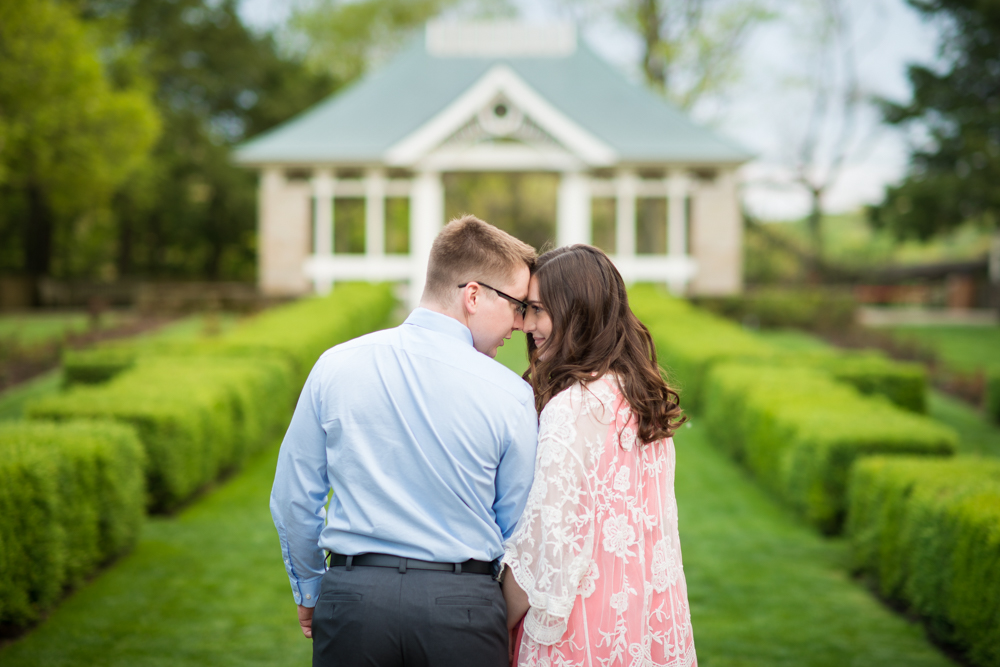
(358, 124)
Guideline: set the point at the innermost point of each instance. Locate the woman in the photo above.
(596, 553)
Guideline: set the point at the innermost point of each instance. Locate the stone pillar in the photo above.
(717, 236)
(677, 193)
(375, 213)
(426, 220)
(322, 192)
(573, 209)
(626, 185)
(283, 225)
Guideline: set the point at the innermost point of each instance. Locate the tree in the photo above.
(831, 136)
(691, 48)
(191, 212)
(953, 174)
(69, 137)
(346, 38)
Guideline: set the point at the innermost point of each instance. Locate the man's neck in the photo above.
(455, 312)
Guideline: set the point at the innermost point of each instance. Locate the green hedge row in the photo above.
(690, 341)
(201, 407)
(783, 307)
(72, 497)
(929, 531)
(98, 364)
(196, 416)
(800, 431)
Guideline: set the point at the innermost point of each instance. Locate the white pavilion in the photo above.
(494, 97)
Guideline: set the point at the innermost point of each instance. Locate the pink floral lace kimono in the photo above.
(597, 548)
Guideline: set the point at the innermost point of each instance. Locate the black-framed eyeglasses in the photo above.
(522, 306)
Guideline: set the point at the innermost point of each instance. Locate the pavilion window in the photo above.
(603, 224)
(651, 226)
(349, 225)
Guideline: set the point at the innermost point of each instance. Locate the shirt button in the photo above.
(308, 596)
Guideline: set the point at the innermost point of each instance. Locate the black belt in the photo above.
(404, 564)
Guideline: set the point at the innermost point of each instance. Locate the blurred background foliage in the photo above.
(953, 173)
(117, 118)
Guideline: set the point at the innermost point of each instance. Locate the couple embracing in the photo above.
(478, 518)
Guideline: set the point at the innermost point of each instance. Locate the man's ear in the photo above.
(471, 297)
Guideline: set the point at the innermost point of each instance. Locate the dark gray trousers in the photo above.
(378, 616)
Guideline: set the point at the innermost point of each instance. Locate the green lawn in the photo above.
(964, 349)
(41, 328)
(514, 354)
(13, 400)
(765, 589)
(207, 587)
(976, 435)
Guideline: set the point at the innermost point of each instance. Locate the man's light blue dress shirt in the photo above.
(428, 445)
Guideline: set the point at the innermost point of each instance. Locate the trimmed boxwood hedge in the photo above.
(928, 531)
(196, 416)
(800, 431)
(201, 407)
(96, 365)
(690, 341)
(72, 497)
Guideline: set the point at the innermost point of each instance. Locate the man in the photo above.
(428, 445)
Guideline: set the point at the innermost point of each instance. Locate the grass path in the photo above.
(206, 587)
(765, 589)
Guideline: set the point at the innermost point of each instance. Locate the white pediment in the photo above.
(500, 123)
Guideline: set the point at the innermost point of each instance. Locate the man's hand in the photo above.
(306, 621)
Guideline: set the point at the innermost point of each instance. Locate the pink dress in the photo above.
(597, 548)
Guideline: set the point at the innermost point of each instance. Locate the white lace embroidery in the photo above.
(597, 548)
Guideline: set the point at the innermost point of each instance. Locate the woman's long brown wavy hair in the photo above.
(595, 332)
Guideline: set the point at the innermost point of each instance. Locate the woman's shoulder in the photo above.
(597, 397)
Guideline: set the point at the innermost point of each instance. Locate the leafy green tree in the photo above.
(953, 175)
(691, 48)
(69, 137)
(191, 213)
(345, 38)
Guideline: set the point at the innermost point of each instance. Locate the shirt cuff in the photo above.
(306, 592)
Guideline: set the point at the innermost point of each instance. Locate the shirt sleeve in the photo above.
(514, 472)
(551, 552)
(298, 497)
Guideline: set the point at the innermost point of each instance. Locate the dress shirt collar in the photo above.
(428, 319)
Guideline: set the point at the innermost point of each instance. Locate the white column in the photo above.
(573, 209)
(271, 180)
(375, 213)
(677, 193)
(426, 220)
(626, 185)
(322, 192)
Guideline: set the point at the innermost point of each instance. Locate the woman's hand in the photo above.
(515, 597)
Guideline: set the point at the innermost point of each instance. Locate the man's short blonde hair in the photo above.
(469, 249)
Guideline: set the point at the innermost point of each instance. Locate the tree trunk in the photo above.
(814, 226)
(126, 240)
(649, 18)
(994, 270)
(214, 236)
(38, 231)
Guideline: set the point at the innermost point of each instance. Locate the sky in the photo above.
(767, 111)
